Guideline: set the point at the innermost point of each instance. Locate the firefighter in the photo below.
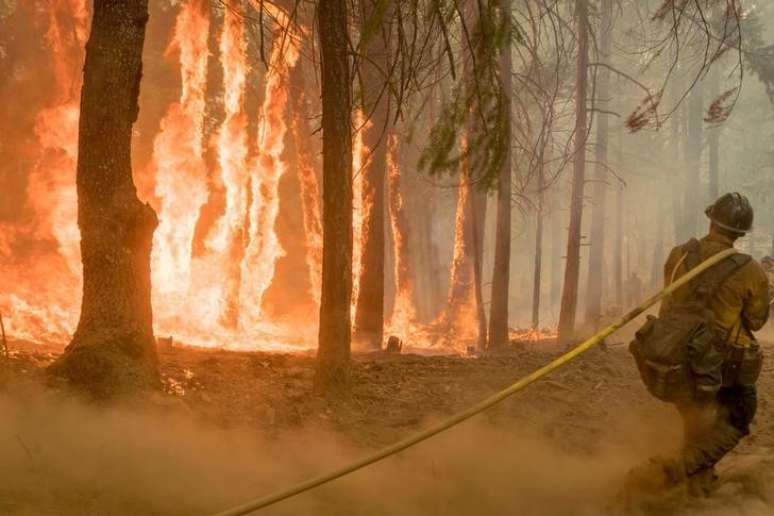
(716, 419)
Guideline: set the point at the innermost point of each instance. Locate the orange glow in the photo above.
(213, 297)
(217, 296)
(310, 202)
(461, 317)
(41, 301)
(266, 170)
(178, 162)
(403, 317)
(360, 156)
(531, 335)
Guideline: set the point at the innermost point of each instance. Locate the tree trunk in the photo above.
(619, 224)
(369, 311)
(675, 180)
(572, 267)
(714, 143)
(692, 193)
(333, 353)
(479, 199)
(656, 273)
(557, 246)
(538, 254)
(498, 315)
(113, 350)
(594, 283)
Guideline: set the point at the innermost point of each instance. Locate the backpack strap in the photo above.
(692, 254)
(706, 286)
(725, 269)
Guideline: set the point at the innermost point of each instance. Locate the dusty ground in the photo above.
(238, 425)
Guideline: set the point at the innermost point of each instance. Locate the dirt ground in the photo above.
(235, 426)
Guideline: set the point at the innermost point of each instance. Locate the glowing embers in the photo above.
(532, 335)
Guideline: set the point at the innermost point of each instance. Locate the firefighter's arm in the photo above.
(756, 307)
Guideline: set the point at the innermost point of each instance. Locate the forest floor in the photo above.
(236, 425)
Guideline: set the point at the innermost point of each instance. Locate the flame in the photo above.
(217, 296)
(403, 318)
(461, 316)
(213, 297)
(36, 307)
(360, 156)
(310, 202)
(51, 189)
(180, 172)
(219, 303)
(266, 171)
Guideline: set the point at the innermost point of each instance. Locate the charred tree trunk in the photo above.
(333, 353)
(498, 315)
(594, 283)
(113, 350)
(572, 267)
(369, 311)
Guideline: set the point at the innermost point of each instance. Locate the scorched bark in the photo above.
(113, 349)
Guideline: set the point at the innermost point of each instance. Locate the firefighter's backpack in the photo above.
(680, 354)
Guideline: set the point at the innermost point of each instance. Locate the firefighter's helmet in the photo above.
(732, 212)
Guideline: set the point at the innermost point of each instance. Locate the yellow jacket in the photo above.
(741, 305)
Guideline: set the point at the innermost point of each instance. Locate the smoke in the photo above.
(63, 457)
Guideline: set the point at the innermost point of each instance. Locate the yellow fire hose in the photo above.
(479, 407)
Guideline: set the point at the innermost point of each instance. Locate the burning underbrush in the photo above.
(235, 425)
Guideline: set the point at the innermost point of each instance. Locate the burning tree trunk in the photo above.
(113, 350)
(572, 267)
(403, 311)
(369, 312)
(462, 316)
(597, 241)
(467, 297)
(498, 316)
(333, 354)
